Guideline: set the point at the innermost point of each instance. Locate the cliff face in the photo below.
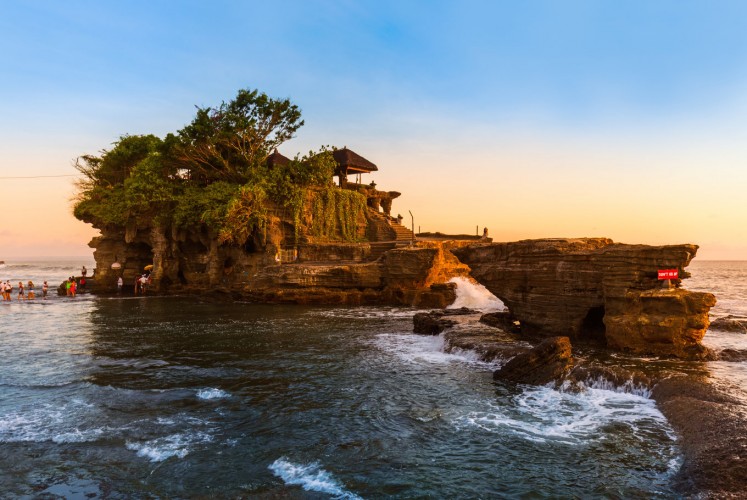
(341, 273)
(597, 289)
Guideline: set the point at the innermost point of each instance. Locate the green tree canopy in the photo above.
(232, 141)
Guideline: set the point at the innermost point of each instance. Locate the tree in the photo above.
(232, 141)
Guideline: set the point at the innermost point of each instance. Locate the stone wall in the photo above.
(597, 289)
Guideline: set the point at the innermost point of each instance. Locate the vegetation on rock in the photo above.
(213, 174)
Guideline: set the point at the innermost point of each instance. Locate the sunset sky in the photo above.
(535, 119)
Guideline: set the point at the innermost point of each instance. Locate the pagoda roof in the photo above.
(276, 159)
(352, 162)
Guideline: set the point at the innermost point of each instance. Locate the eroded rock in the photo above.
(435, 322)
(593, 288)
(547, 362)
(730, 324)
(503, 320)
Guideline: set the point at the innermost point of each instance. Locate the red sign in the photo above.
(668, 274)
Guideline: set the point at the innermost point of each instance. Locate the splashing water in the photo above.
(475, 296)
(310, 477)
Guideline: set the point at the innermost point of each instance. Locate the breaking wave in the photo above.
(474, 296)
(310, 477)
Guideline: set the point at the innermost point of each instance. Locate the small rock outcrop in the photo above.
(435, 322)
(547, 362)
(503, 320)
(595, 289)
(730, 324)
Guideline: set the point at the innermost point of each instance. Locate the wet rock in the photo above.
(617, 377)
(487, 344)
(593, 288)
(503, 320)
(733, 355)
(435, 322)
(730, 324)
(711, 426)
(547, 362)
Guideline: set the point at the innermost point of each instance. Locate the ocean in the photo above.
(161, 397)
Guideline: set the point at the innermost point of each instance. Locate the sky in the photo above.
(534, 119)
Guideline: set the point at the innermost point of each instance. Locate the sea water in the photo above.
(172, 398)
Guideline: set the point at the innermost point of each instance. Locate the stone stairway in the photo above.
(403, 233)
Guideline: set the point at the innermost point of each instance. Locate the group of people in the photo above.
(24, 292)
(141, 283)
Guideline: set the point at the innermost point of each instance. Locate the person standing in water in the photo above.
(45, 289)
(120, 284)
(20, 290)
(30, 287)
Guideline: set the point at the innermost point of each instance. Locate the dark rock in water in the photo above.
(730, 324)
(733, 355)
(711, 426)
(430, 323)
(547, 362)
(433, 323)
(503, 320)
(462, 311)
(488, 344)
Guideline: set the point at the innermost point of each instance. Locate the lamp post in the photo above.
(412, 227)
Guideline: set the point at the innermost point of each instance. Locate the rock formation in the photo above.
(547, 362)
(435, 322)
(593, 288)
(323, 273)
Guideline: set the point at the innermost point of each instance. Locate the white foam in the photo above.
(212, 394)
(542, 414)
(474, 296)
(424, 349)
(628, 387)
(311, 477)
(175, 445)
(367, 312)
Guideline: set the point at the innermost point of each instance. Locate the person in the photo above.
(143, 283)
(7, 288)
(484, 233)
(20, 290)
(82, 282)
(73, 287)
(30, 287)
(83, 272)
(120, 284)
(67, 286)
(45, 289)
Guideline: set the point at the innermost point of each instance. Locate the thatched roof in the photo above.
(350, 161)
(276, 159)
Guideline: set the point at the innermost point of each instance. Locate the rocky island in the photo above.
(217, 210)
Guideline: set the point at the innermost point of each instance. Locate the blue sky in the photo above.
(427, 90)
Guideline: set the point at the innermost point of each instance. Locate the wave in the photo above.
(425, 349)
(212, 394)
(474, 296)
(176, 445)
(310, 477)
(542, 414)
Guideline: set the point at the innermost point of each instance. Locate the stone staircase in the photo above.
(403, 233)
